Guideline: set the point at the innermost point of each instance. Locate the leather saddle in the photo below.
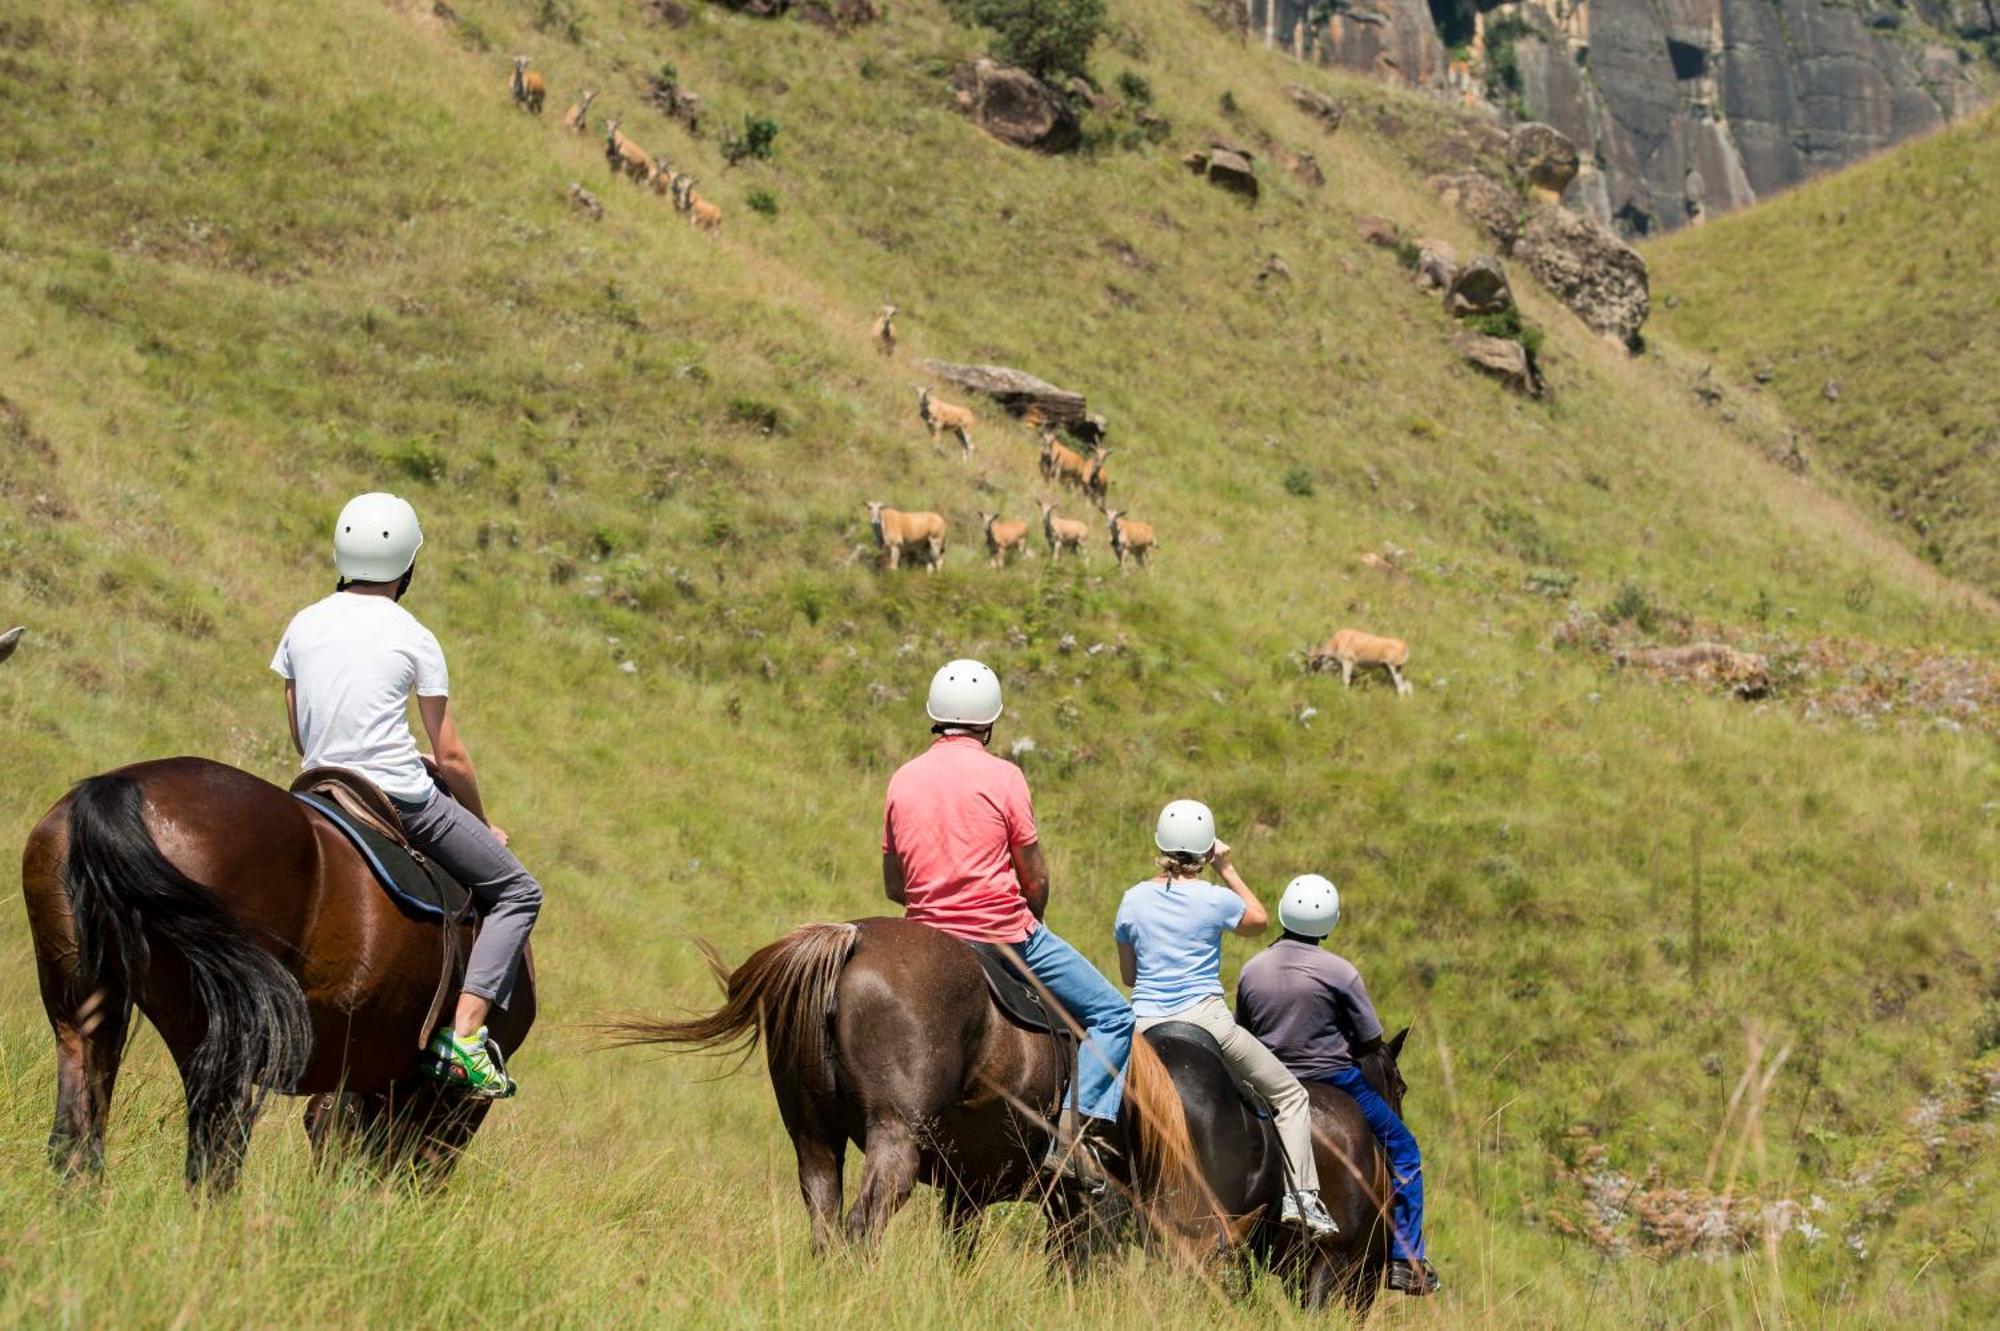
(1019, 996)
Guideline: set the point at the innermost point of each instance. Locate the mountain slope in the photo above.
(1869, 302)
(264, 259)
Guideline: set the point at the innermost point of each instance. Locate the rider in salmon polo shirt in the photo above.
(960, 853)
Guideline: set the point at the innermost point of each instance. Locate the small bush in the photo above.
(758, 415)
(667, 82)
(1134, 88)
(1051, 39)
(1228, 103)
(1509, 324)
(418, 460)
(1632, 605)
(756, 140)
(1409, 254)
(762, 201)
(1299, 481)
(558, 17)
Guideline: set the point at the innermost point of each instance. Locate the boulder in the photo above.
(1543, 155)
(1020, 393)
(1502, 358)
(1378, 231)
(1015, 107)
(1478, 288)
(1494, 207)
(1588, 268)
(1233, 172)
(1318, 105)
(1305, 166)
(1437, 265)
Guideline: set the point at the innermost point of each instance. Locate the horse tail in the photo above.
(782, 995)
(126, 900)
(1163, 1147)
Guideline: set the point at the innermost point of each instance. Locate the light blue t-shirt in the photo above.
(1176, 930)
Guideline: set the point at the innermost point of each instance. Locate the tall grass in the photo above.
(264, 258)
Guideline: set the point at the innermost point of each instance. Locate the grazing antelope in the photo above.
(577, 118)
(529, 88)
(1004, 539)
(1352, 647)
(1094, 480)
(1130, 538)
(1063, 534)
(940, 416)
(677, 186)
(702, 214)
(622, 154)
(662, 178)
(918, 533)
(1060, 463)
(884, 332)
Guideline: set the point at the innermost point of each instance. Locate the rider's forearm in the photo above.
(458, 777)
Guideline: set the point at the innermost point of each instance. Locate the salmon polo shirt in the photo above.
(953, 818)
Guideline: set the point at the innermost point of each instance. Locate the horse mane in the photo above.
(783, 995)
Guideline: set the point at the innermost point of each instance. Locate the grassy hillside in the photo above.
(1868, 302)
(263, 257)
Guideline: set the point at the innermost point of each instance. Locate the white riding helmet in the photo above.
(376, 538)
(964, 693)
(1310, 906)
(1186, 827)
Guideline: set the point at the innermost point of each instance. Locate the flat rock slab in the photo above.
(1021, 393)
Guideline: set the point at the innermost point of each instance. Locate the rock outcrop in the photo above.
(1318, 105)
(1478, 288)
(1494, 206)
(1677, 111)
(1225, 166)
(1543, 155)
(1502, 358)
(1437, 265)
(1015, 107)
(1021, 393)
(1587, 267)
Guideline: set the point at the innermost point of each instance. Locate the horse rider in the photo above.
(1169, 933)
(1311, 1009)
(351, 662)
(960, 853)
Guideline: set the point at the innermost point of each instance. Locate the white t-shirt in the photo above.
(354, 661)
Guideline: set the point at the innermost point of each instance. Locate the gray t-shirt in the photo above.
(1307, 1005)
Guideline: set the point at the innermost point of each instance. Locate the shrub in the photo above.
(1299, 481)
(758, 415)
(757, 139)
(1051, 39)
(1632, 606)
(418, 460)
(559, 17)
(1134, 88)
(761, 200)
(1228, 103)
(1409, 254)
(1509, 324)
(668, 81)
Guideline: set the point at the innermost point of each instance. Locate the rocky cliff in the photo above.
(1681, 108)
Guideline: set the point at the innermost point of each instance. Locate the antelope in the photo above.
(1063, 534)
(677, 186)
(1094, 482)
(940, 416)
(577, 118)
(1060, 463)
(703, 215)
(1352, 647)
(622, 154)
(662, 178)
(1130, 538)
(884, 332)
(528, 87)
(1004, 539)
(918, 533)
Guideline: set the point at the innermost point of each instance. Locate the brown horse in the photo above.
(256, 940)
(881, 1032)
(1233, 1200)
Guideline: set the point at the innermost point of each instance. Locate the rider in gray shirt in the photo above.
(1310, 1008)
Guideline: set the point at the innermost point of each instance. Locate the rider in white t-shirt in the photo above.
(351, 662)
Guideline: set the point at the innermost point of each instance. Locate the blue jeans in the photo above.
(1406, 1166)
(1099, 1008)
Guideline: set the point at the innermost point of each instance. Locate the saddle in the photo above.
(356, 808)
(1018, 995)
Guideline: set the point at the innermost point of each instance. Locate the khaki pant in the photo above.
(1259, 1069)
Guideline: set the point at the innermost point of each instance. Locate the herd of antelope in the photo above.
(621, 153)
(921, 536)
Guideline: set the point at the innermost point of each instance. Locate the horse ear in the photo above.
(1396, 1044)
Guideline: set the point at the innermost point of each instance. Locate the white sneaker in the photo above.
(1305, 1210)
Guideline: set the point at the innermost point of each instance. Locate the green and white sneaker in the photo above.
(472, 1066)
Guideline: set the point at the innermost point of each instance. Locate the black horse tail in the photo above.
(783, 994)
(127, 899)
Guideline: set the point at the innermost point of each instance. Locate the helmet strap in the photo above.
(984, 734)
(1301, 938)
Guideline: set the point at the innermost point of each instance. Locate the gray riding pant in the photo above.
(507, 895)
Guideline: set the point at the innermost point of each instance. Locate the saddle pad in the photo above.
(1014, 994)
(425, 889)
(1186, 1032)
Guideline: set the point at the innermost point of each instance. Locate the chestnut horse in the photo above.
(882, 1033)
(253, 936)
(1236, 1199)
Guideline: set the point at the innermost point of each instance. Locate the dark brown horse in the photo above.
(256, 940)
(1236, 1197)
(882, 1033)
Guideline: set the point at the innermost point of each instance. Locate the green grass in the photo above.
(1881, 282)
(259, 260)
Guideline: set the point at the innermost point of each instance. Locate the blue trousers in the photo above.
(1099, 1008)
(1406, 1166)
